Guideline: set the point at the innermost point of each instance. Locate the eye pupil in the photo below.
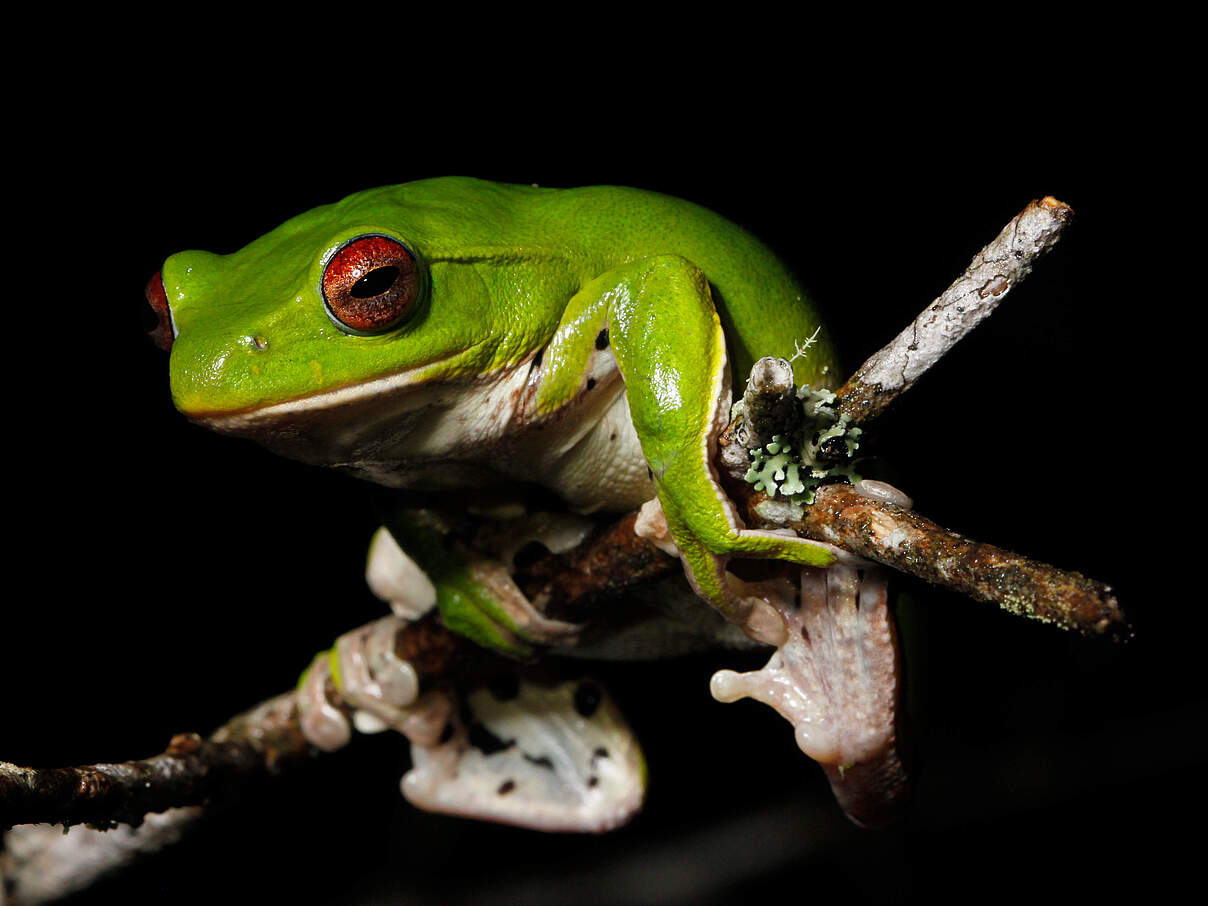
(374, 283)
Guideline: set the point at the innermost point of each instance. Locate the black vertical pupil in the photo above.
(374, 283)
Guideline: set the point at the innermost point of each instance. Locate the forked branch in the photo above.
(268, 739)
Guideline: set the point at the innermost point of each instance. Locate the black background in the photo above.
(162, 579)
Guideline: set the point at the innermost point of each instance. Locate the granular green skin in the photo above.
(502, 262)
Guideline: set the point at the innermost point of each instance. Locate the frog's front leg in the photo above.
(363, 667)
(474, 592)
(668, 341)
(476, 598)
(380, 688)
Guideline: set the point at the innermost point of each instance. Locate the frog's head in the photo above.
(313, 335)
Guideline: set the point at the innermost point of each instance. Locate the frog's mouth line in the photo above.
(241, 421)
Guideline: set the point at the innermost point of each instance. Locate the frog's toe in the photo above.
(554, 758)
(651, 524)
(397, 579)
(372, 678)
(322, 723)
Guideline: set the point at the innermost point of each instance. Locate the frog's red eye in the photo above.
(370, 284)
(163, 334)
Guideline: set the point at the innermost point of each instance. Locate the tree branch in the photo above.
(971, 298)
(190, 772)
(913, 544)
(41, 864)
(267, 739)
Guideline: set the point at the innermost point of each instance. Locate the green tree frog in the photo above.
(454, 334)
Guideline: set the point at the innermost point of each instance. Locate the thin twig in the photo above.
(993, 273)
(191, 771)
(157, 799)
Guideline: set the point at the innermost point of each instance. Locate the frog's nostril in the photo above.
(163, 334)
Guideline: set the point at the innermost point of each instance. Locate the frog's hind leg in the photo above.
(550, 757)
(474, 592)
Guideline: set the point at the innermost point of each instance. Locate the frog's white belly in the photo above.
(403, 432)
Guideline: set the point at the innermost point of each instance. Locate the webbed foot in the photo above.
(834, 677)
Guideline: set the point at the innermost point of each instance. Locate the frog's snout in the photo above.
(164, 332)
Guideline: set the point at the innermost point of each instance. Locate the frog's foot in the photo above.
(749, 605)
(553, 758)
(380, 688)
(651, 524)
(375, 681)
(835, 679)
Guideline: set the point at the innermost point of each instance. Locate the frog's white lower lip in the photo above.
(305, 407)
(381, 428)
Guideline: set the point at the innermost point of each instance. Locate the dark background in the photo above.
(162, 579)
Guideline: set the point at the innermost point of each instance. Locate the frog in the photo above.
(454, 336)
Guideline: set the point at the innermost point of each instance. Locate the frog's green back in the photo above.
(502, 263)
(762, 306)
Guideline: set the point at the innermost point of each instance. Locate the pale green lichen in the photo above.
(795, 470)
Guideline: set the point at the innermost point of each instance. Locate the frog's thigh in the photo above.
(672, 353)
(568, 761)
